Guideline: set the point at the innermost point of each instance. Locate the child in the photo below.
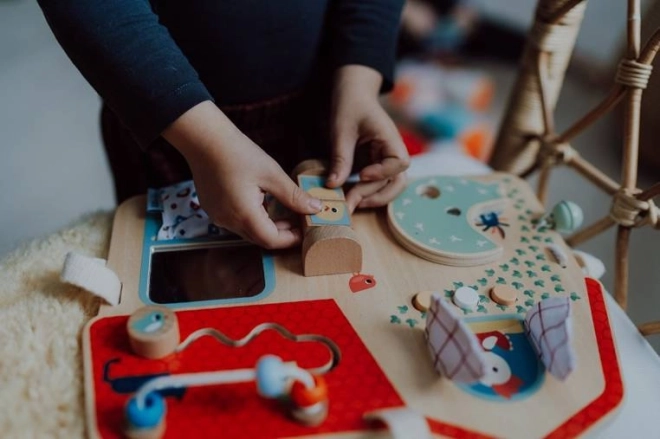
(234, 92)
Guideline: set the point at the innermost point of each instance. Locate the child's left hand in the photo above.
(359, 121)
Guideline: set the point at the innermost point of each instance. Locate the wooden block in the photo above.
(331, 250)
(330, 246)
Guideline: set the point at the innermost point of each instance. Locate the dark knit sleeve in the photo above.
(129, 58)
(365, 32)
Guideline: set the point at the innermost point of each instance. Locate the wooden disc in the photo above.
(504, 295)
(153, 331)
(434, 218)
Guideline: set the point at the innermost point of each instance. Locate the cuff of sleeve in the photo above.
(147, 123)
(382, 64)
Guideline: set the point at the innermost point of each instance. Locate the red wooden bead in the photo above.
(304, 397)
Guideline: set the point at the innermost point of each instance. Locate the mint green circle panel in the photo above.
(447, 219)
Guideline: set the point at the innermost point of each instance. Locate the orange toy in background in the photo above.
(432, 103)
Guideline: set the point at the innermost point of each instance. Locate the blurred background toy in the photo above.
(432, 103)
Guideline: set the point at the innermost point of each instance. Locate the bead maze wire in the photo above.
(335, 353)
(528, 140)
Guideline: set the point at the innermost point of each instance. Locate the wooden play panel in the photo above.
(370, 316)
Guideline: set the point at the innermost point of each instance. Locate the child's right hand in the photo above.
(232, 175)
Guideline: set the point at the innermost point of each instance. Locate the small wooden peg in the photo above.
(504, 295)
(422, 301)
(153, 331)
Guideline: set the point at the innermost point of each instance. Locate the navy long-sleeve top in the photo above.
(151, 61)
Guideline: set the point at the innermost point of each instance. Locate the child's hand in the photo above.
(359, 121)
(232, 175)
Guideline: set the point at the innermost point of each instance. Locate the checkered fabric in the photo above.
(548, 326)
(454, 349)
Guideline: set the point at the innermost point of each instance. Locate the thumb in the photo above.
(343, 149)
(291, 196)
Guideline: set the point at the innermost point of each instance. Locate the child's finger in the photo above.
(386, 194)
(362, 191)
(343, 149)
(261, 230)
(290, 195)
(390, 155)
(387, 168)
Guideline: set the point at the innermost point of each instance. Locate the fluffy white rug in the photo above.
(41, 320)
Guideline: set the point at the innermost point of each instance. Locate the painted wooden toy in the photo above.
(330, 246)
(212, 336)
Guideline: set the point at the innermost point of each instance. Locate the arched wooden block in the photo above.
(330, 246)
(331, 250)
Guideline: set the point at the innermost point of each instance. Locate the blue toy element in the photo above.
(446, 122)
(150, 323)
(315, 185)
(271, 376)
(132, 383)
(565, 217)
(149, 416)
(491, 220)
(448, 36)
(514, 373)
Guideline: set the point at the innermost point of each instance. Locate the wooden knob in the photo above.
(422, 300)
(504, 295)
(153, 332)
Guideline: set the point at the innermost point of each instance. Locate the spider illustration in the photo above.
(492, 221)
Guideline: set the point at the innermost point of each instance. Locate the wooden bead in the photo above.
(422, 301)
(153, 332)
(146, 433)
(147, 422)
(304, 397)
(504, 295)
(311, 416)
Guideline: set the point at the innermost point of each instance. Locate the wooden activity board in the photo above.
(441, 235)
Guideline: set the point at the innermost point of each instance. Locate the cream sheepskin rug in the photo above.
(41, 321)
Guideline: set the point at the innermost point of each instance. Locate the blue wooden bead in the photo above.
(149, 416)
(447, 122)
(271, 376)
(567, 217)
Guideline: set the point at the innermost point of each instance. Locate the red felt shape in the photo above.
(356, 386)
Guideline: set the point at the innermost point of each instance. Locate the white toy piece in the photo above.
(91, 274)
(591, 265)
(402, 423)
(548, 326)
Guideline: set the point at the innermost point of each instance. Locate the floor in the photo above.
(53, 169)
